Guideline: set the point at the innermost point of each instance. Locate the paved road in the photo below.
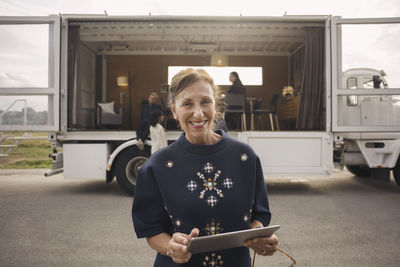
(336, 221)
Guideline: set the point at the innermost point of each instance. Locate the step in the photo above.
(7, 146)
(27, 138)
(3, 155)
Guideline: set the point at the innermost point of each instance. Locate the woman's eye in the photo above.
(186, 104)
(206, 101)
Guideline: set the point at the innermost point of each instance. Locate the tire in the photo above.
(127, 167)
(396, 172)
(358, 170)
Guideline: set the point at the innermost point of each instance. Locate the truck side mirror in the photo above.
(377, 81)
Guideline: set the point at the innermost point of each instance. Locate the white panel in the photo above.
(292, 153)
(376, 111)
(284, 152)
(85, 161)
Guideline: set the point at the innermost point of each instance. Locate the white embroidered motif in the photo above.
(192, 186)
(246, 218)
(169, 163)
(208, 168)
(209, 184)
(213, 260)
(212, 201)
(227, 183)
(178, 223)
(243, 157)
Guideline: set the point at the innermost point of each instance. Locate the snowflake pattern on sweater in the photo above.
(211, 186)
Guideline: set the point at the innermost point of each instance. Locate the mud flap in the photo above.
(381, 174)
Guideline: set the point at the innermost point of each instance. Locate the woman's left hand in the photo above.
(265, 246)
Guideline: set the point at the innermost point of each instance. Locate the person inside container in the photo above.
(143, 129)
(237, 87)
(205, 183)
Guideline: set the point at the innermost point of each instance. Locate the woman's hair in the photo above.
(155, 115)
(237, 81)
(186, 78)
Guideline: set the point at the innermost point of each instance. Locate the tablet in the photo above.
(228, 240)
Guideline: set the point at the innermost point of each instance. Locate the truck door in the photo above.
(359, 44)
(29, 73)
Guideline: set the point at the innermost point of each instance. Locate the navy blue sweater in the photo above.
(217, 188)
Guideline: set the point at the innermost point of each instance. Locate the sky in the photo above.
(343, 8)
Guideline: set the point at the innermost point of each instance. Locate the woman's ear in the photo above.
(174, 111)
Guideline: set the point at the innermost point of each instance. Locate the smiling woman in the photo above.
(187, 188)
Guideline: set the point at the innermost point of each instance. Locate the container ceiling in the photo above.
(194, 37)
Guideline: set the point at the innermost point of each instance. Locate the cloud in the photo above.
(10, 80)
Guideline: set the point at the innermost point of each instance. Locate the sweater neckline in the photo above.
(203, 149)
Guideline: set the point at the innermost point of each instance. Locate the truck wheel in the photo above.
(396, 172)
(127, 167)
(357, 170)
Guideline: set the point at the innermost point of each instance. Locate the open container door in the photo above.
(365, 75)
(306, 151)
(29, 73)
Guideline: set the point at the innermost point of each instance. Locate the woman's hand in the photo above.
(265, 246)
(177, 247)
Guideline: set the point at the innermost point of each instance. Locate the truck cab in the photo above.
(361, 157)
(368, 110)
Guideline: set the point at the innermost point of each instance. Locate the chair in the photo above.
(236, 104)
(288, 110)
(271, 113)
(107, 116)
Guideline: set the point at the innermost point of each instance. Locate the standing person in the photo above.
(142, 131)
(205, 183)
(157, 133)
(237, 87)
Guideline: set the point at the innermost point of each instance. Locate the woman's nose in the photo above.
(198, 111)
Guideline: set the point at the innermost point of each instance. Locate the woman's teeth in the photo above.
(198, 123)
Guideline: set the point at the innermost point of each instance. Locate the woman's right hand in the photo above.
(177, 246)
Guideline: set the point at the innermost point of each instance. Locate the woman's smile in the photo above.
(198, 124)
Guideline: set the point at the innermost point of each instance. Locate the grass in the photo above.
(29, 154)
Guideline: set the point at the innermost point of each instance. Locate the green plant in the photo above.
(28, 154)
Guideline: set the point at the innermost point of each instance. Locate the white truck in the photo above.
(339, 121)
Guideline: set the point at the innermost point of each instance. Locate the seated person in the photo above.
(143, 129)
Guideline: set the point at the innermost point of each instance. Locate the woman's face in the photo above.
(161, 118)
(194, 108)
(232, 78)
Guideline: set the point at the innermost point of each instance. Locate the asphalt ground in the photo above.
(341, 220)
